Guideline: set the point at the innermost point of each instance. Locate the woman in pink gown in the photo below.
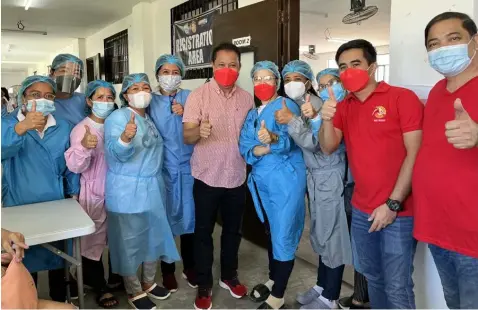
(86, 156)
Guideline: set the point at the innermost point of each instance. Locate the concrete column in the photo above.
(409, 68)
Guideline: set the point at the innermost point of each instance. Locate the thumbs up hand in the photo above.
(462, 132)
(130, 130)
(263, 134)
(330, 106)
(205, 128)
(308, 109)
(34, 119)
(177, 108)
(89, 140)
(284, 115)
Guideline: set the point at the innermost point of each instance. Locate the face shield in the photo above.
(68, 77)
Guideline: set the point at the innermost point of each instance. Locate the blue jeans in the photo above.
(385, 258)
(459, 277)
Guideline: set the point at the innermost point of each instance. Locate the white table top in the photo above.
(48, 221)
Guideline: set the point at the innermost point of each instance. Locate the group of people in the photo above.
(167, 161)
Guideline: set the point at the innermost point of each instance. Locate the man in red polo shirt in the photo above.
(381, 126)
(445, 178)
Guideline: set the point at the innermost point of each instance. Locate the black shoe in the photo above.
(347, 303)
(265, 305)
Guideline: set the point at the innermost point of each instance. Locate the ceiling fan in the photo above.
(360, 12)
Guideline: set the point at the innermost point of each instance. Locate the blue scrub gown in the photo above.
(277, 181)
(73, 109)
(34, 170)
(177, 169)
(138, 228)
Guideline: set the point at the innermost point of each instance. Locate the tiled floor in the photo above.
(253, 269)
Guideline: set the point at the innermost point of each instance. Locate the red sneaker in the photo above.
(190, 276)
(203, 299)
(170, 283)
(235, 287)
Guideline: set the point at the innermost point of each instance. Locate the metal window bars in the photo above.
(191, 9)
(116, 57)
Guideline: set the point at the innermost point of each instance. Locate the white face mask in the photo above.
(169, 83)
(140, 100)
(295, 90)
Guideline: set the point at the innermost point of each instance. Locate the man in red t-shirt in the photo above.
(445, 178)
(381, 126)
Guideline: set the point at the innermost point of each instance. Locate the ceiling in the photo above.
(319, 15)
(63, 20)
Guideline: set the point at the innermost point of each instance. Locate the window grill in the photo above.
(191, 9)
(116, 57)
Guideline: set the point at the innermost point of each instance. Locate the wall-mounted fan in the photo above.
(311, 53)
(360, 12)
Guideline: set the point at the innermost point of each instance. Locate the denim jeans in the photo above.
(385, 258)
(459, 277)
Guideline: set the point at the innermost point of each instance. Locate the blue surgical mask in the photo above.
(102, 109)
(339, 92)
(450, 60)
(42, 105)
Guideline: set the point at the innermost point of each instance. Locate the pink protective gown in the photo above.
(92, 166)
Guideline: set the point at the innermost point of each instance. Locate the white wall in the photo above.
(13, 78)
(321, 62)
(409, 67)
(243, 3)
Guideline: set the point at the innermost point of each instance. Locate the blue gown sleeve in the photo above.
(283, 145)
(11, 141)
(248, 139)
(114, 127)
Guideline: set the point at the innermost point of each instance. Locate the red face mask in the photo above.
(226, 77)
(264, 91)
(354, 80)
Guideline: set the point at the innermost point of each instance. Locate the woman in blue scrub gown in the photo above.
(34, 167)
(277, 182)
(67, 71)
(166, 111)
(138, 228)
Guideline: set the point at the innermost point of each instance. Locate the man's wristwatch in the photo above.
(394, 205)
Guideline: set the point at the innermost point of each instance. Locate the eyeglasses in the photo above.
(264, 79)
(330, 83)
(38, 95)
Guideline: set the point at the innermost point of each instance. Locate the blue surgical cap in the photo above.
(300, 67)
(62, 59)
(29, 81)
(267, 65)
(170, 59)
(94, 85)
(330, 71)
(130, 80)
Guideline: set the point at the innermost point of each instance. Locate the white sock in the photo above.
(274, 302)
(269, 284)
(318, 289)
(328, 302)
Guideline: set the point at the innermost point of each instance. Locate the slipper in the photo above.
(141, 302)
(157, 292)
(261, 290)
(103, 302)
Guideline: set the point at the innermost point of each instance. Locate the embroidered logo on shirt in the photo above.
(379, 113)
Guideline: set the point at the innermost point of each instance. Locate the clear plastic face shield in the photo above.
(68, 77)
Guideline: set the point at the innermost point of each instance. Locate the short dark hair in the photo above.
(369, 51)
(467, 22)
(5, 93)
(226, 46)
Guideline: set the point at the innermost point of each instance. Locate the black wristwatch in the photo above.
(394, 205)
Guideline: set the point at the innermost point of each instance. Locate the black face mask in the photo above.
(67, 83)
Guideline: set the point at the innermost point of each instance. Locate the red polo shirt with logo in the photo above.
(373, 133)
(445, 179)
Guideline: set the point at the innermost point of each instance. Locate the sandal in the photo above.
(259, 293)
(265, 305)
(141, 302)
(157, 292)
(107, 302)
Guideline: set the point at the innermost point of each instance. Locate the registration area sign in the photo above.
(193, 39)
